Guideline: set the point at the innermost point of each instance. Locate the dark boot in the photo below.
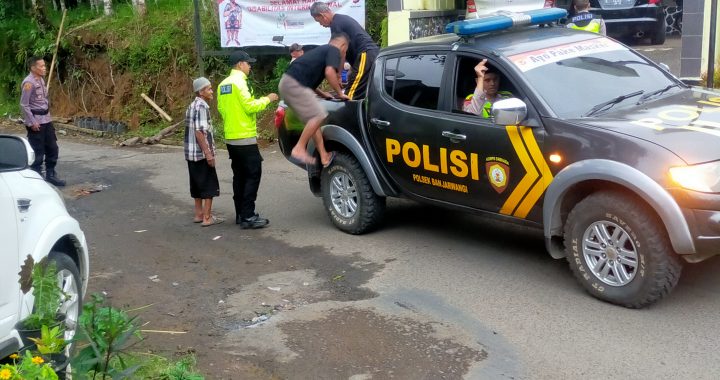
(52, 178)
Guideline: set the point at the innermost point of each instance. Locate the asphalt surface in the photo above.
(433, 294)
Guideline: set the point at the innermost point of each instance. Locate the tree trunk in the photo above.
(108, 7)
(62, 5)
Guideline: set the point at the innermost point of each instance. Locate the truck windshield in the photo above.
(574, 79)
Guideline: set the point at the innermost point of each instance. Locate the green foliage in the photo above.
(183, 369)
(384, 32)
(108, 333)
(151, 366)
(47, 293)
(375, 12)
(51, 341)
(28, 367)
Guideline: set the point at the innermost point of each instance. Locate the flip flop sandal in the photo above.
(332, 157)
(213, 221)
(298, 161)
(197, 220)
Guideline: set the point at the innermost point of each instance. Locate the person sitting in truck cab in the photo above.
(486, 91)
(584, 20)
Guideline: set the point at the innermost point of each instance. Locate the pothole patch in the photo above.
(361, 344)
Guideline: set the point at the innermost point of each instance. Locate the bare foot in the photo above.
(302, 156)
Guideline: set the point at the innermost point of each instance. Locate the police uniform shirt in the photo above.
(360, 41)
(309, 69)
(34, 101)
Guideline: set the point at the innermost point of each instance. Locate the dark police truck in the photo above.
(615, 159)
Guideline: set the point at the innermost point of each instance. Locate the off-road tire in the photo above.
(370, 207)
(658, 266)
(66, 265)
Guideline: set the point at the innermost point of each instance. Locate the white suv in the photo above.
(35, 222)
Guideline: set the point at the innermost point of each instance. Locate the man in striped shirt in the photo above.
(200, 154)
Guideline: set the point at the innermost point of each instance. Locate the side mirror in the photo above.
(509, 111)
(15, 153)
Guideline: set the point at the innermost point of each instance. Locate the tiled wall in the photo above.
(692, 29)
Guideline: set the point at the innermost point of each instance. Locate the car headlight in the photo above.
(703, 177)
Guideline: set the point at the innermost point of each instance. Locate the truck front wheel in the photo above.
(619, 251)
(349, 198)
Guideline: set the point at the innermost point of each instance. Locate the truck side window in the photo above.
(416, 80)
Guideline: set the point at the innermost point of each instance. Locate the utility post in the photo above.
(199, 49)
(711, 49)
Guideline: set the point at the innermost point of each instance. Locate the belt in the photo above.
(40, 112)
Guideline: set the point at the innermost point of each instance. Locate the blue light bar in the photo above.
(504, 20)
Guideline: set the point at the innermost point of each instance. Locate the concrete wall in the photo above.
(696, 38)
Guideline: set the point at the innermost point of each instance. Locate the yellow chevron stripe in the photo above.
(361, 71)
(546, 176)
(531, 174)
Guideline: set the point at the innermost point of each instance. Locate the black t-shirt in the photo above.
(360, 41)
(309, 69)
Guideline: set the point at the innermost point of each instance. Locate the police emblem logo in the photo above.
(226, 89)
(498, 174)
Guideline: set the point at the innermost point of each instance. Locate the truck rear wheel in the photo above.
(619, 251)
(349, 198)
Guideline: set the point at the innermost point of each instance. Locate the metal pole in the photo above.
(711, 50)
(198, 39)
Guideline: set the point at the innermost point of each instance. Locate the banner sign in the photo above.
(267, 22)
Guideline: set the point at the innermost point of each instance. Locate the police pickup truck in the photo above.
(615, 159)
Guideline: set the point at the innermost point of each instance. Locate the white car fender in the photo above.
(53, 232)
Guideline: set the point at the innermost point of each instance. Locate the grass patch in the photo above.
(160, 368)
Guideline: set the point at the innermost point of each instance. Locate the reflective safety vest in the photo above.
(238, 106)
(586, 21)
(487, 107)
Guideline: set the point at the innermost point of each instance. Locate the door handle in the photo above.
(380, 123)
(23, 204)
(454, 137)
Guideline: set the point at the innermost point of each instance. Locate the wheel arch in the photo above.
(338, 138)
(64, 235)
(578, 180)
(74, 247)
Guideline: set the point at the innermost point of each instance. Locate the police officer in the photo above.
(36, 114)
(487, 84)
(238, 108)
(584, 20)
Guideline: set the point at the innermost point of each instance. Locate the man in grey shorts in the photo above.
(298, 87)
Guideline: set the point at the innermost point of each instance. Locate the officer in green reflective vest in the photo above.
(238, 108)
(585, 20)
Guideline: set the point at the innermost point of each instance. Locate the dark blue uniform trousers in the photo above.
(247, 169)
(44, 143)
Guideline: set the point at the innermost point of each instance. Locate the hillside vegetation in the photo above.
(106, 62)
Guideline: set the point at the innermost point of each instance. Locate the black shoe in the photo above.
(52, 178)
(253, 222)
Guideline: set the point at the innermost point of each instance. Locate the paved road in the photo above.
(434, 294)
(668, 53)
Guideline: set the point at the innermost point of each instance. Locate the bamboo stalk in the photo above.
(156, 107)
(164, 332)
(57, 44)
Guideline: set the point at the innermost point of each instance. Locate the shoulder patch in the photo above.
(27, 86)
(226, 89)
